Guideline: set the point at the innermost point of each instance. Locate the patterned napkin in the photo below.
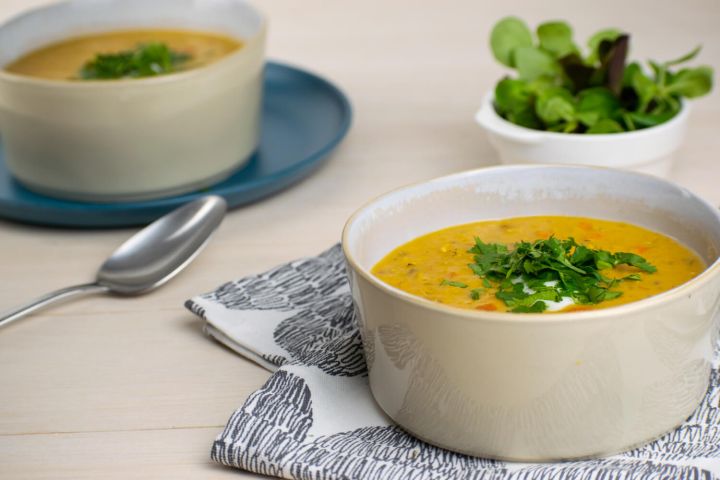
(315, 417)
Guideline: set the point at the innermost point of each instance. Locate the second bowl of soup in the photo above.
(537, 313)
(116, 100)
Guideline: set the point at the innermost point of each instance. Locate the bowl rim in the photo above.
(519, 131)
(653, 301)
(160, 80)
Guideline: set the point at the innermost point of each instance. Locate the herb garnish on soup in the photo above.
(145, 60)
(529, 274)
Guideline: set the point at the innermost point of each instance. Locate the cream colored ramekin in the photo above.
(133, 139)
(536, 387)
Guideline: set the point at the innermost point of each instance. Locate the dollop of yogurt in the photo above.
(551, 305)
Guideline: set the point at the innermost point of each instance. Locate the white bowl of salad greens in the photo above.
(123, 100)
(566, 106)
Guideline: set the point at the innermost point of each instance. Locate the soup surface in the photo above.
(436, 266)
(64, 60)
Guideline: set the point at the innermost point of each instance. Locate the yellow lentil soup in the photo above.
(436, 266)
(65, 60)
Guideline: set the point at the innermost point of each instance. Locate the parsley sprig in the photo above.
(547, 270)
(146, 60)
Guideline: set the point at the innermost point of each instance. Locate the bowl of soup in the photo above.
(122, 100)
(537, 313)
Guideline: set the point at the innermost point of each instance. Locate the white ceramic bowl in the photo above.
(648, 151)
(534, 387)
(131, 139)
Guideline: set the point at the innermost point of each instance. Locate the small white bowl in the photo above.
(132, 139)
(536, 387)
(648, 150)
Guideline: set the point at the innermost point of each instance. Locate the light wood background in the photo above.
(118, 388)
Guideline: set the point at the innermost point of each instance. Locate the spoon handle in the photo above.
(50, 298)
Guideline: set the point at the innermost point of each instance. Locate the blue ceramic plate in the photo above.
(304, 118)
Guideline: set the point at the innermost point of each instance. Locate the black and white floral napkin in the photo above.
(315, 418)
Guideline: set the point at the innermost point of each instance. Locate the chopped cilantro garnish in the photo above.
(145, 60)
(533, 273)
(475, 293)
(450, 283)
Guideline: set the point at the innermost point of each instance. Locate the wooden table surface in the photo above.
(131, 388)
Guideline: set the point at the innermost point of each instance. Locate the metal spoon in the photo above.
(149, 258)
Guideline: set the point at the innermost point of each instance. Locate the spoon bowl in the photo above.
(162, 249)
